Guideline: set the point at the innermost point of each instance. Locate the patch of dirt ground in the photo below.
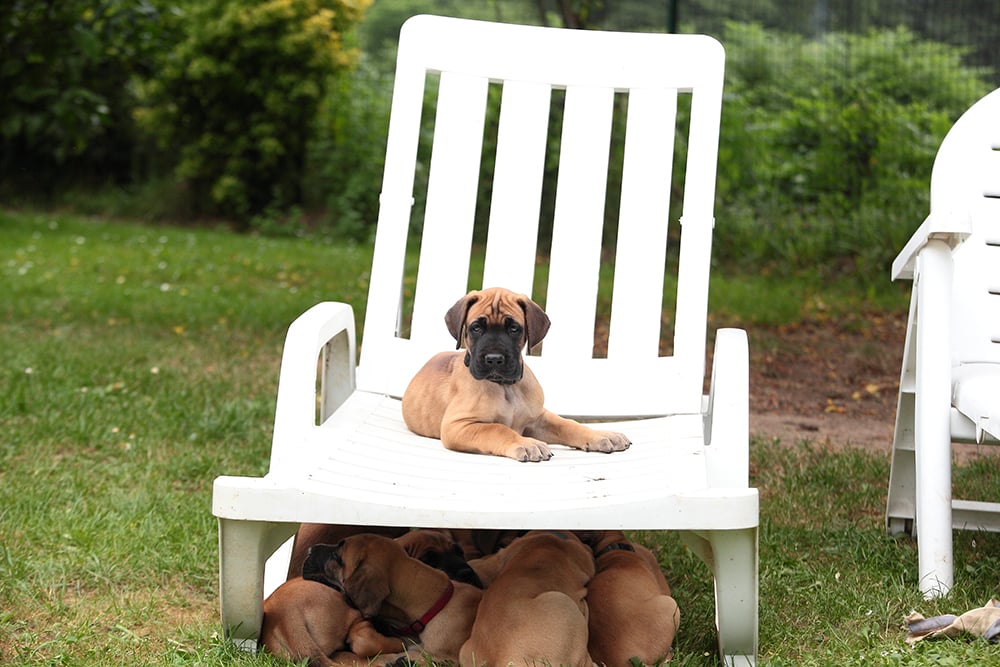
(833, 382)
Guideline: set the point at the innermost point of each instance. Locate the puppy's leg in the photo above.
(368, 642)
(305, 619)
(495, 439)
(554, 429)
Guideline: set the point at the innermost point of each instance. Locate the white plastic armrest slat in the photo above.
(950, 226)
(295, 408)
(727, 419)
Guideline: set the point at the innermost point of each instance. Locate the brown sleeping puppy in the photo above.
(632, 614)
(416, 600)
(533, 610)
(310, 620)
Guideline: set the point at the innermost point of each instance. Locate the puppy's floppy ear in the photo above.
(536, 322)
(367, 588)
(454, 319)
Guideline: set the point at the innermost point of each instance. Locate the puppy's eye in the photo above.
(514, 329)
(476, 327)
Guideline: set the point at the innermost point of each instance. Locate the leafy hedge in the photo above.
(827, 145)
(825, 155)
(66, 98)
(253, 110)
(238, 95)
(834, 119)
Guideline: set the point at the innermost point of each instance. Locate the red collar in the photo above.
(415, 628)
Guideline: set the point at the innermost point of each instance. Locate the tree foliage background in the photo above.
(237, 96)
(272, 113)
(67, 71)
(218, 95)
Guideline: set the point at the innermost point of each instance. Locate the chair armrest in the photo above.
(951, 227)
(328, 329)
(727, 415)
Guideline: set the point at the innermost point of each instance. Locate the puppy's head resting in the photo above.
(356, 566)
(494, 325)
(439, 549)
(604, 541)
(314, 567)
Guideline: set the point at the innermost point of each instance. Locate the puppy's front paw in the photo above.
(530, 450)
(607, 442)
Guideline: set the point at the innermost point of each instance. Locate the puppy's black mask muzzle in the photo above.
(495, 357)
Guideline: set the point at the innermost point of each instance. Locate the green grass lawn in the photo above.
(140, 362)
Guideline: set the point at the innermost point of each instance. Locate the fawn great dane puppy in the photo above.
(415, 600)
(533, 610)
(485, 400)
(310, 620)
(307, 618)
(632, 614)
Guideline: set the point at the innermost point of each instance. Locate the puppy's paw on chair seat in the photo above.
(530, 451)
(607, 442)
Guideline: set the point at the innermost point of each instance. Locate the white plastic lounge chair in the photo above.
(949, 389)
(687, 469)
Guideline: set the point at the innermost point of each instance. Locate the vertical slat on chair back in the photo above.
(635, 330)
(966, 181)
(451, 202)
(522, 132)
(582, 83)
(578, 223)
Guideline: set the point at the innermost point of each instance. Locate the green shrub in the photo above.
(827, 146)
(236, 98)
(65, 72)
(347, 153)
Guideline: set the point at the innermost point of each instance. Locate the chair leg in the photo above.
(933, 422)
(900, 506)
(244, 546)
(732, 557)
(934, 521)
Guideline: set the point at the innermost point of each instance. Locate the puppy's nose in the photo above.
(495, 359)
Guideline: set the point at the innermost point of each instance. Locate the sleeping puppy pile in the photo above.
(476, 599)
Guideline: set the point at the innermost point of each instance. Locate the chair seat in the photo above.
(975, 390)
(620, 490)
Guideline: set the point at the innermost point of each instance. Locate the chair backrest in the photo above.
(965, 181)
(666, 91)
